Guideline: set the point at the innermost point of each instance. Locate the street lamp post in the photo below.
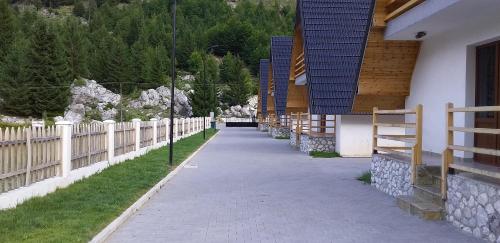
(172, 93)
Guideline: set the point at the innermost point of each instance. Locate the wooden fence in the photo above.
(414, 140)
(162, 131)
(447, 156)
(322, 125)
(124, 138)
(146, 134)
(88, 145)
(28, 155)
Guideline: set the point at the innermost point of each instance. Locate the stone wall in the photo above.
(322, 144)
(263, 127)
(293, 139)
(474, 207)
(391, 176)
(280, 132)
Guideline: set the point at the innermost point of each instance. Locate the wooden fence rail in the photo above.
(28, 155)
(413, 142)
(124, 138)
(88, 145)
(447, 156)
(146, 134)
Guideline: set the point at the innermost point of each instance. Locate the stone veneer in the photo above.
(280, 132)
(391, 175)
(263, 127)
(321, 144)
(474, 206)
(293, 139)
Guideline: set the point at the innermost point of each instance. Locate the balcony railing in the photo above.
(300, 66)
(447, 156)
(412, 142)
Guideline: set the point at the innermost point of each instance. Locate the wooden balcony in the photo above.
(396, 8)
(300, 66)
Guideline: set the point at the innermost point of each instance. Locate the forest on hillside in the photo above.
(45, 45)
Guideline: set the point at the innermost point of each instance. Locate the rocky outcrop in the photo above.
(160, 98)
(245, 111)
(90, 100)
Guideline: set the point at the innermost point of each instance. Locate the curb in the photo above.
(113, 226)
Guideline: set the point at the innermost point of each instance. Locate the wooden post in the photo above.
(374, 131)
(419, 118)
(447, 156)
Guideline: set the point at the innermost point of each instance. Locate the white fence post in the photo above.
(183, 128)
(154, 121)
(110, 139)
(167, 129)
(137, 126)
(176, 127)
(65, 129)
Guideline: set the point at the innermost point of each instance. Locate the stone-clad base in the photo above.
(280, 132)
(263, 127)
(391, 176)
(474, 206)
(293, 139)
(320, 144)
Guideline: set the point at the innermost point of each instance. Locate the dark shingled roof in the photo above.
(264, 79)
(335, 33)
(281, 52)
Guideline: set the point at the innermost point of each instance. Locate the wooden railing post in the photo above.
(418, 145)
(374, 131)
(447, 156)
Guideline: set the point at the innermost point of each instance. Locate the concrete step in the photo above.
(421, 208)
(429, 175)
(428, 193)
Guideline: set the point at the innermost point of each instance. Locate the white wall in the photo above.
(354, 134)
(445, 72)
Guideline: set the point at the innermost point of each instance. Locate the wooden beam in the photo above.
(401, 10)
(475, 130)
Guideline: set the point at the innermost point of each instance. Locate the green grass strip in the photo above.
(319, 154)
(282, 137)
(80, 211)
(365, 178)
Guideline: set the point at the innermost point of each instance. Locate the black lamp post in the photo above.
(172, 93)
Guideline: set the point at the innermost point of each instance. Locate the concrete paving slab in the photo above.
(246, 187)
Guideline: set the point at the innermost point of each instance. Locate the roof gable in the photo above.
(281, 52)
(335, 33)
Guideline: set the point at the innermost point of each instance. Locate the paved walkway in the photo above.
(248, 187)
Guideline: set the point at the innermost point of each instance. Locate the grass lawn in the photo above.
(365, 178)
(318, 154)
(282, 137)
(80, 211)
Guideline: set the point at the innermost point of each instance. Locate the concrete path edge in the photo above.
(113, 226)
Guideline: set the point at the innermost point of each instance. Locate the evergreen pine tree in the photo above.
(47, 72)
(13, 84)
(7, 29)
(202, 98)
(118, 68)
(79, 10)
(76, 45)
